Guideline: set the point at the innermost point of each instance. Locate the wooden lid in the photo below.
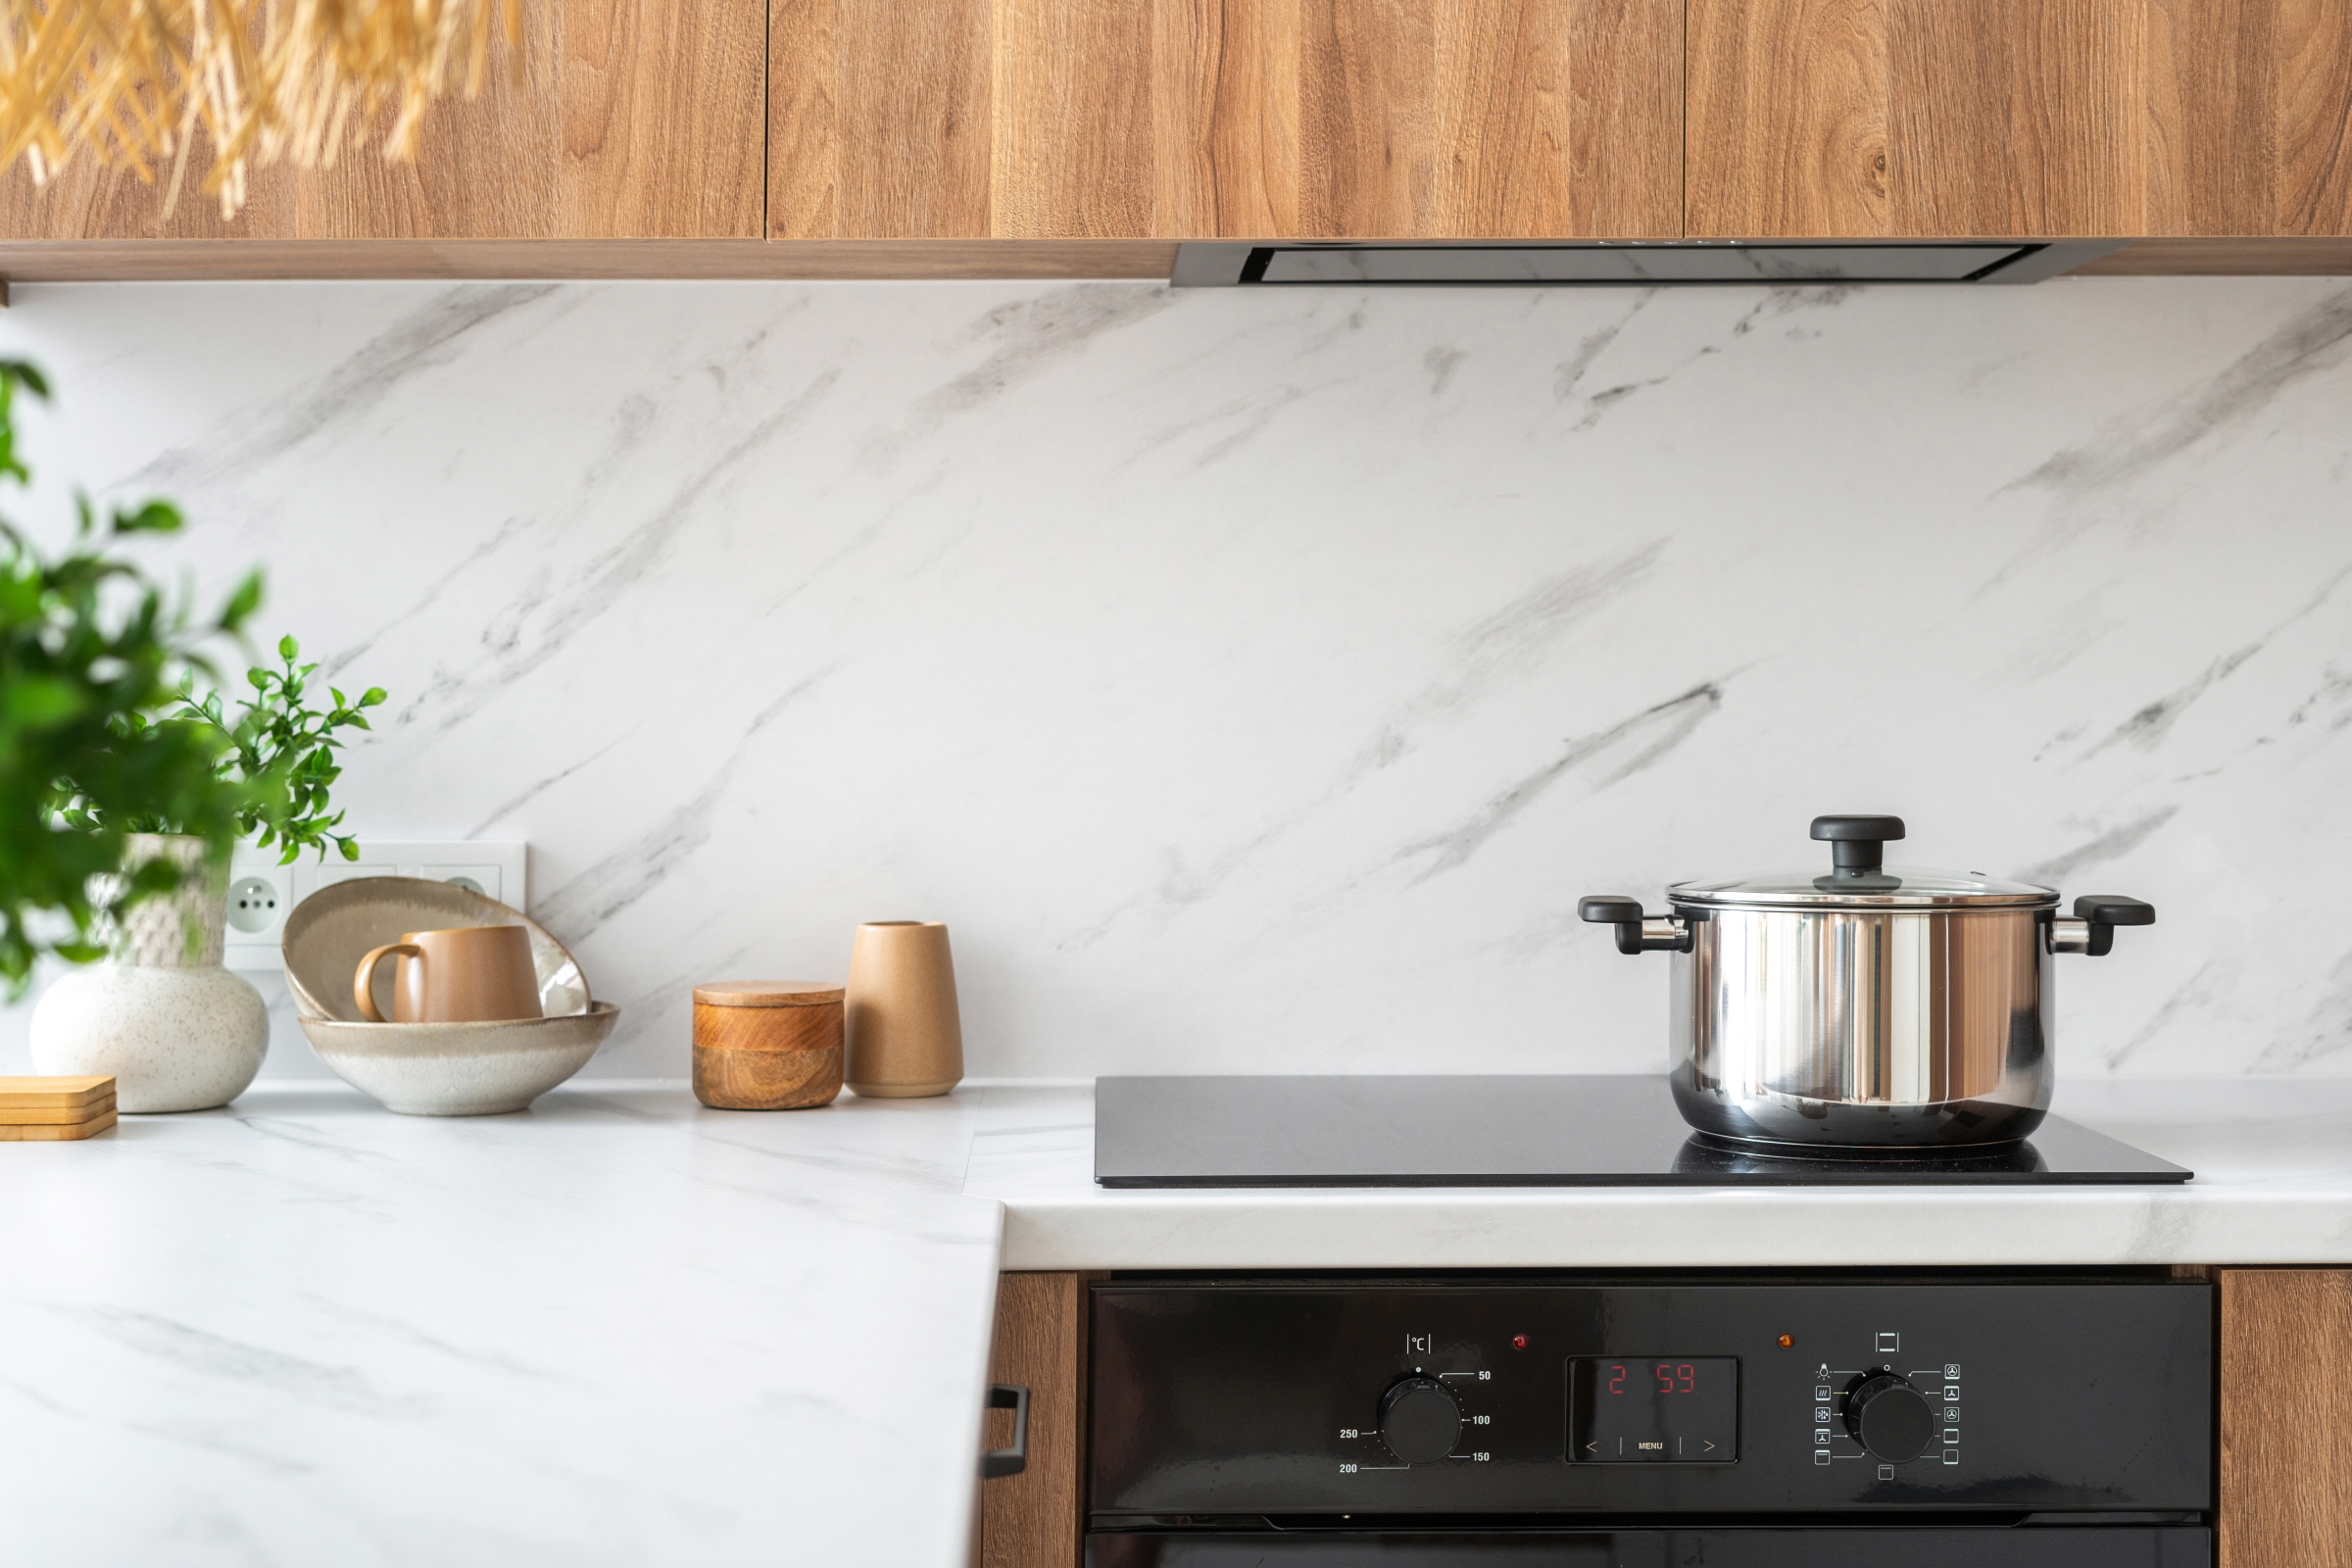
(768, 993)
(54, 1094)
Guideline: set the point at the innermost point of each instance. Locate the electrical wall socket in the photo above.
(261, 893)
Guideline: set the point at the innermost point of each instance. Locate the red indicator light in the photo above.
(1518, 1341)
(1787, 1341)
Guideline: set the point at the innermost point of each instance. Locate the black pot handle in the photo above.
(1636, 932)
(2102, 912)
(1015, 1459)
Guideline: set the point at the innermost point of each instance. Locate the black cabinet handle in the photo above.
(1015, 1459)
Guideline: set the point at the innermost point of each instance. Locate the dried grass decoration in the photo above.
(134, 81)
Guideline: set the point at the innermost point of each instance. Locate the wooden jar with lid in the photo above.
(767, 1045)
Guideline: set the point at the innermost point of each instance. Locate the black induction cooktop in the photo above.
(1552, 1131)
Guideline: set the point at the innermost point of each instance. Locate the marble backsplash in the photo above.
(1254, 679)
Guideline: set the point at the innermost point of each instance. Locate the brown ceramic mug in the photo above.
(474, 974)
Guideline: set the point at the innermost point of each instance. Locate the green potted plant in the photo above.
(122, 793)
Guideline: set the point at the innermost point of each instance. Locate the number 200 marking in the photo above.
(1346, 1469)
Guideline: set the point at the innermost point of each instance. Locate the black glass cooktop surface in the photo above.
(1554, 1130)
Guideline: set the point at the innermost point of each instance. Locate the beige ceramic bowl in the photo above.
(433, 1069)
(334, 928)
(460, 1069)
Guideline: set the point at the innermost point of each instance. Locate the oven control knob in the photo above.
(1890, 1417)
(1419, 1420)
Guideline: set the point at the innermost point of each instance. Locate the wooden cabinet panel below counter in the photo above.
(1034, 1519)
(2286, 1417)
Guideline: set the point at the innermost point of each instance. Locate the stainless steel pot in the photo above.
(1874, 1007)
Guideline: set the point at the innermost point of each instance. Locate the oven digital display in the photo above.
(1653, 1409)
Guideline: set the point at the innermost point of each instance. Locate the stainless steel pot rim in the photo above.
(1916, 887)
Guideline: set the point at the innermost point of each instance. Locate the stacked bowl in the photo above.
(433, 1069)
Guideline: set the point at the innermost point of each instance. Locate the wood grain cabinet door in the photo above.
(1036, 1519)
(2286, 1417)
(1242, 119)
(633, 118)
(2024, 118)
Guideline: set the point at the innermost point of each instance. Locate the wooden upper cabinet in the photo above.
(2250, 116)
(2026, 118)
(1149, 121)
(1240, 119)
(634, 119)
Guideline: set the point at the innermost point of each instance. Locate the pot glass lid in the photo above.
(1891, 885)
(1856, 877)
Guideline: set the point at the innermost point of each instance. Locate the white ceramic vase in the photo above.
(175, 1029)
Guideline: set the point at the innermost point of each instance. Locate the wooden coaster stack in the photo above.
(55, 1109)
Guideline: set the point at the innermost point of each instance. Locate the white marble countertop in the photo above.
(617, 1330)
(625, 1330)
(2274, 1185)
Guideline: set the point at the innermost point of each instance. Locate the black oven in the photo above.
(1966, 1420)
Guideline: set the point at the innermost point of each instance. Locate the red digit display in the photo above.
(1688, 1412)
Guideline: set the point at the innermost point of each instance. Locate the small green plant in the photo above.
(90, 650)
(284, 749)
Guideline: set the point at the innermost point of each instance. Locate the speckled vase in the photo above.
(175, 1029)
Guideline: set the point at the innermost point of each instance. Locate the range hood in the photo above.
(1644, 263)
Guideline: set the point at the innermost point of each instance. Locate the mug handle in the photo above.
(362, 981)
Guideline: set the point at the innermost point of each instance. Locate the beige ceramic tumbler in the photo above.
(905, 1039)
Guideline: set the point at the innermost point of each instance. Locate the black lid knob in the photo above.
(1857, 844)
